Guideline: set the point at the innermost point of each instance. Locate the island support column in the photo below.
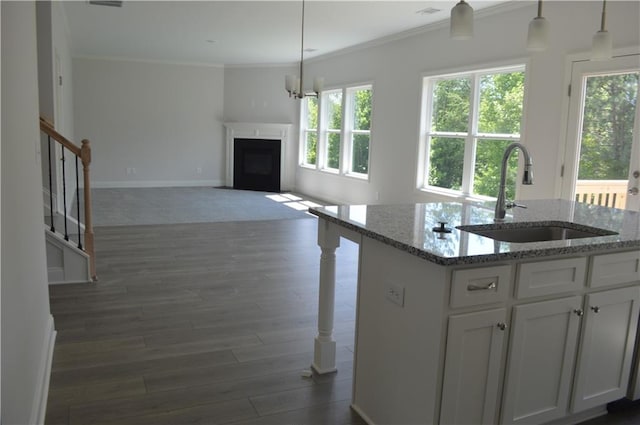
(324, 358)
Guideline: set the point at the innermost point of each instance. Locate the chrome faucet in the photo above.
(527, 178)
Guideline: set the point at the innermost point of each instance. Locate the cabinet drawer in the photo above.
(480, 286)
(550, 277)
(611, 269)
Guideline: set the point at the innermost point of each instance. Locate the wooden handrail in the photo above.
(84, 153)
(47, 128)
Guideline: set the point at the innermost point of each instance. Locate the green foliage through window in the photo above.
(310, 133)
(607, 129)
(497, 114)
(361, 119)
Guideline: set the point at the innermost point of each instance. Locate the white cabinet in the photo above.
(606, 350)
(472, 367)
(518, 342)
(541, 358)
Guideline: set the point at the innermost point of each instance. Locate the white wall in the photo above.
(257, 95)
(27, 332)
(56, 101)
(396, 69)
(164, 120)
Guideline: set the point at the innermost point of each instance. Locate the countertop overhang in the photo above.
(409, 228)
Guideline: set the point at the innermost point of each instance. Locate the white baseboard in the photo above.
(155, 183)
(39, 408)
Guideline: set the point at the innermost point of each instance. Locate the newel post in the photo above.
(85, 156)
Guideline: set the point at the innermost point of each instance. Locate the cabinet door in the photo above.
(472, 368)
(606, 348)
(541, 359)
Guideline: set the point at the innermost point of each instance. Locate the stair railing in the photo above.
(83, 154)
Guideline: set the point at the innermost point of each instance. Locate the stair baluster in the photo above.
(78, 206)
(53, 228)
(64, 195)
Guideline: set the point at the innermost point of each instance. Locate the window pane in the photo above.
(501, 98)
(362, 109)
(333, 150)
(360, 154)
(311, 144)
(451, 100)
(312, 112)
(334, 110)
(487, 168)
(446, 157)
(607, 129)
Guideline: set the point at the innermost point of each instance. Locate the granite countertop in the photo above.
(409, 228)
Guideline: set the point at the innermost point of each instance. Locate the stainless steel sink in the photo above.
(535, 232)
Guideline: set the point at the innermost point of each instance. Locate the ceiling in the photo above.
(241, 32)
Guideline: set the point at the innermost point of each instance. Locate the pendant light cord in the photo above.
(604, 14)
(301, 95)
(539, 8)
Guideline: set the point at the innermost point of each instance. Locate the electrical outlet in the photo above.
(134, 171)
(395, 294)
(199, 170)
(129, 170)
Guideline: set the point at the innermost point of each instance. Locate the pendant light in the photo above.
(538, 35)
(295, 85)
(602, 44)
(461, 27)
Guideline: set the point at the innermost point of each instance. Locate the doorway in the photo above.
(602, 158)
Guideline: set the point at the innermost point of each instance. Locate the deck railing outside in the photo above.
(608, 193)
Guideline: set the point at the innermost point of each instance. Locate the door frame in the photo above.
(567, 163)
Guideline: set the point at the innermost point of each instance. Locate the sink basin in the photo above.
(535, 232)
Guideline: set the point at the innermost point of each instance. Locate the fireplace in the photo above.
(256, 164)
(263, 135)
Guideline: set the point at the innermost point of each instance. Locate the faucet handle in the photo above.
(512, 204)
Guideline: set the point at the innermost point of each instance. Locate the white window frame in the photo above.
(304, 131)
(325, 131)
(350, 131)
(346, 133)
(470, 138)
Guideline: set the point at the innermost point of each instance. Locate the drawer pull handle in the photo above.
(579, 312)
(595, 309)
(502, 326)
(487, 287)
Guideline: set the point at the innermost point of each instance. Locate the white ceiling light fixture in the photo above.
(538, 35)
(461, 27)
(295, 85)
(602, 43)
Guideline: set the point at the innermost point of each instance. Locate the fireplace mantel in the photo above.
(270, 131)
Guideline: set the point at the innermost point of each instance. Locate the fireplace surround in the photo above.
(258, 133)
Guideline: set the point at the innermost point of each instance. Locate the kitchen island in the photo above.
(456, 327)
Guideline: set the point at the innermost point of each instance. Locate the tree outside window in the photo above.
(360, 101)
(339, 116)
(310, 131)
(472, 116)
(333, 113)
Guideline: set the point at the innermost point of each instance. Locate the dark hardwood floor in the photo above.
(201, 323)
(206, 324)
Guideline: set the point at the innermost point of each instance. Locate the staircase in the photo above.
(68, 229)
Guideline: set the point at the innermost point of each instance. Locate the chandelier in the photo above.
(295, 84)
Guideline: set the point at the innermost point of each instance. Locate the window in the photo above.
(468, 121)
(359, 128)
(332, 133)
(309, 126)
(340, 135)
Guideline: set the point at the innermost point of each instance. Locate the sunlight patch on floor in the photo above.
(293, 201)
